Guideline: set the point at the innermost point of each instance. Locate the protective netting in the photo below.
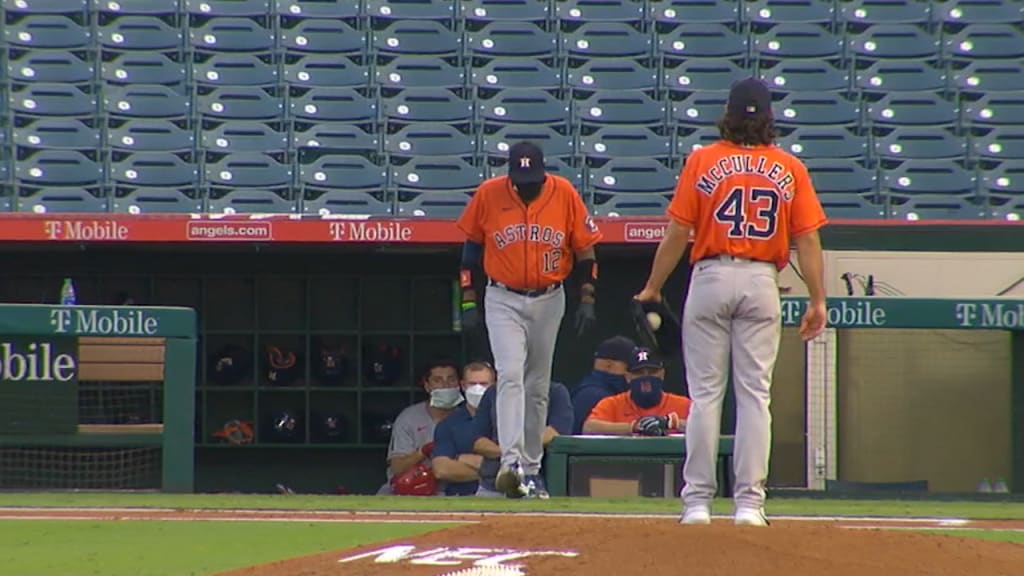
(120, 403)
(80, 468)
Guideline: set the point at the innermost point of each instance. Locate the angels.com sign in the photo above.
(458, 560)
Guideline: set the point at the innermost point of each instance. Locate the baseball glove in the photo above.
(667, 338)
(651, 426)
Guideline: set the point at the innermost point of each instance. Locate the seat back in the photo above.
(797, 41)
(426, 105)
(524, 106)
(553, 143)
(152, 33)
(621, 141)
(606, 107)
(66, 199)
(230, 34)
(894, 41)
(913, 108)
(240, 103)
(57, 133)
(58, 168)
(616, 205)
(702, 108)
(447, 205)
(244, 136)
(929, 177)
(332, 104)
(248, 170)
(154, 169)
(611, 74)
(416, 37)
(335, 138)
(919, 143)
(804, 75)
(887, 76)
(702, 74)
(47, 31)
(607, 40)
(511, 38)
(242, 69)
(145, 101)
(430, 139)
(816, 108)
(151, 68)
(157, 200)
(419, 72)
(321, 70)
(437, 173)
(50, 66)
(346, 202)
(342, 172)
(705, 40)
(150, 135)
(632, 175)
(998, 144)
(841, 176)
(250, 8)
(824, 142)
(995, 110)
(323, 36)
(46, 99)
(252, 201)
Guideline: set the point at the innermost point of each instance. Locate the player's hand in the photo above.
(470, 317)
(813, 322)
(427, 450)
(586, 317)
(648, 295)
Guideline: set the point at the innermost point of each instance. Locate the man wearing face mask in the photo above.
(412, 435)
(646, 409)
(611, 359)
(454, 461)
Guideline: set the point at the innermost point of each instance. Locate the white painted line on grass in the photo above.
(235, 519)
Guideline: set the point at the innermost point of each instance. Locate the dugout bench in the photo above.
(565, 451)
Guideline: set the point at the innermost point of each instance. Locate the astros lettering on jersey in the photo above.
(528, 246)
(745, 201)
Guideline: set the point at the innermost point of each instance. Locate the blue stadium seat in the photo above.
(346, 10)
(702, 108)
(688, 41)
(244, 136)
(436, 173)
(140, 33)
(132, 68)
(624, 142)
(609, 107)
(325, 36)
(150, 135)
(156, 201)
(894, 41)
(426, 105)
(335, 138)
(247, 170)
(573, 13)
(554, 144)
(207, 8)
(341, 172)
(611, 74)
(502, 73)
(936, 207)
(153, 169)
(803, 75)
(58, 168)
(117, 8)
(383, 12)
(239, 103)
(66, 199)
(693, 139)
(1012, 211)
(985, 76)
(632, 176)
(419, 72)
(908, 142)
(965, 12)
(886, 76)
(498, 166)
(856, 15)
(327, 104)
(1004, 181)
(230, 34)
(797, 41)
(430, 139)
(479, 13)
(323, 70)
(251, 201)
(416, 38)
(996, 109)
(617, 205)
(843, 206)
(606, 40)
(824, 142)
(47, 31)
(667, 14)
(57, 134)
(998, 144)
(145, 101)
(50, 66)
(914, 177)
(49, 99)
(449, 205)
(511, 38)
(702, 74)
(346, 202)
(841, 176)
(764, 13)
(45, 6)
(978, 41)
(523, 106)
(816, 108)
(235, 70)
(912, 108)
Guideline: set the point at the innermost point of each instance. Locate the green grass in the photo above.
(1000, 535)
(154, 548)
(776, 506)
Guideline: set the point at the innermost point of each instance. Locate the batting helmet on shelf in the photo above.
(284, 427)
(377, 428)
(331, 365)
(235, 432)
(283, 366)
(228, 365)
(416, 481)
(666, 339)
(384, 365)
(329, 428)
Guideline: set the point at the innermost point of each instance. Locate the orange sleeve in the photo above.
(685, 205)
(681, 406)
(607, 410)
(471, 220)
(805, 213)
(585, 232)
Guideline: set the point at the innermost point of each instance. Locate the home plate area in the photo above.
(539, 545)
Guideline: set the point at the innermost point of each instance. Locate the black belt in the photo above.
(528, 293)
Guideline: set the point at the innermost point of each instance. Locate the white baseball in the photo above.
(654, 319)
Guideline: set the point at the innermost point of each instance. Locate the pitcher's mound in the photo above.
(560, 546)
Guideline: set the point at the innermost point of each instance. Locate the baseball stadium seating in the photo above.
(902, 108)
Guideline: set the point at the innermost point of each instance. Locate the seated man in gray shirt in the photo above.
(412, 435)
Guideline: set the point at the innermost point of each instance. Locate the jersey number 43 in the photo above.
(749, 212)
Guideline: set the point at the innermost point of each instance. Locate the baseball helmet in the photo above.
(667, 339)
(377, 428)
(284, 365)
(416, 481)
(329, 428)
(331, 365)
(235, 432)
(284, 427)
(228, 365)
(384, 365)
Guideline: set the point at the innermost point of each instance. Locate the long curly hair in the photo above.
(747, 130)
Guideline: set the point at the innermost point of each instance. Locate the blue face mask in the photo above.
(646, 391)
(615, 381)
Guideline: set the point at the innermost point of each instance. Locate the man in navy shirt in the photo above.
(454, 462)
(608, 378)
(485, 424)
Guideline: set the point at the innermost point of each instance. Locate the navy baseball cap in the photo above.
(644, 358)
(617, 348)
(526, 163)
(749, 97)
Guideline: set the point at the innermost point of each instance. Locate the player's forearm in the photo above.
(451, 470)
(400, 464)
(812, 265)
(595, 426)
(487, 448)
(586, 272)
(666, 258)
(549, 435)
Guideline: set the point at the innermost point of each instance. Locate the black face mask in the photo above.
(646, 391)
(529, 192)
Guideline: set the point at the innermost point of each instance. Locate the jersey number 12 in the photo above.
(763, 204)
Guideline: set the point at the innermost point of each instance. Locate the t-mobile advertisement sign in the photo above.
(38, 385)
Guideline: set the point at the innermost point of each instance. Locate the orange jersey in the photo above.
(528, 247)
(745, 201)
(621, 409)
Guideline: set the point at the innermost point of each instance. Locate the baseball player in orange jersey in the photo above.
(744, 199)
(532, 229)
